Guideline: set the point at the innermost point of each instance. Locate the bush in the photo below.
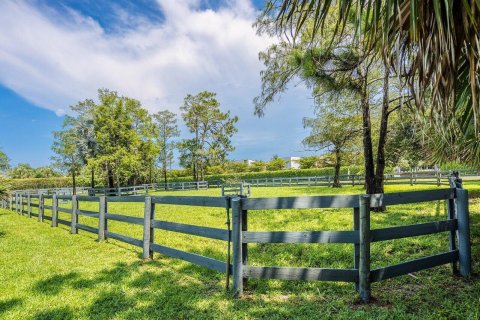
(52, 182)
(276, 174)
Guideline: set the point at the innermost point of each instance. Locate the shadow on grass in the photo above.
(63, 313)
(54, 284)
(9, 304)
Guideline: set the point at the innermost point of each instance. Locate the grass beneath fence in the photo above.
(46, 273)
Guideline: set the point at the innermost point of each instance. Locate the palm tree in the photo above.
(435, 44)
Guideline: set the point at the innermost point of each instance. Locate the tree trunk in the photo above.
(336, 178)
(367, 136)
(380, 168)
(74, 183)
(111, 183)
(92, 181)
(165, 174)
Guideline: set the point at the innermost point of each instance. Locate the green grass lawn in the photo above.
(47, 273)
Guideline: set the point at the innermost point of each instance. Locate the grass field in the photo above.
(46, 273)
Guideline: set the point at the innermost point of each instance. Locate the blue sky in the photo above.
(55, 53)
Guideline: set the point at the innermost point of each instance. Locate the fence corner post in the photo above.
(364, 259)
(237, 246)
(102, 221)
(148, 229)
(74, 221)
(54, 210)
(463, 233)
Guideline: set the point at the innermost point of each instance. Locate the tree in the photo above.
(65, 145)
(276, 163)
(212, 130)
(22, 171)
(435, 44)
(406, 143)
(125, 136)
(83, 124)
(46, 172)
(166, 123)
(335, 127)
(309, 162)
(236, 166)
(333, 64)
(4, 187)
(4, 162)
(257, 166)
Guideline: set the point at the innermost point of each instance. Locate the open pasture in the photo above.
(47, 273)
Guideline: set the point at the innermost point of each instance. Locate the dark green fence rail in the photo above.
(456, 225)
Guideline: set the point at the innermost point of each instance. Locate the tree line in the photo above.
(117, 139)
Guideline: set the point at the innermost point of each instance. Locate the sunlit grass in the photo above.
(47, 273)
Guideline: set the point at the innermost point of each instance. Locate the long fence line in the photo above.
(411, 178)
(456, 225)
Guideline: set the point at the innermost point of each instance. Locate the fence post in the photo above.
(364, 259)
(452, 244)
(21, 204)
(40, 207)
(74, 221)
(102, 221)
(464, 250)
(356, 246)
(239, 256)
(11, 202)
(148, 229)
(29, 207)
(54, 210)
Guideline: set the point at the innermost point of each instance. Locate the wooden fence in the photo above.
(412, 178)
(456, 225)
(173, 186)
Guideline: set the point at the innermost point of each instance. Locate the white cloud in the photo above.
(55, 61)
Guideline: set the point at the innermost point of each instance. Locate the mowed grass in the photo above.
(47, 273)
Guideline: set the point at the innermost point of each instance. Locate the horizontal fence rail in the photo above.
(361, 237)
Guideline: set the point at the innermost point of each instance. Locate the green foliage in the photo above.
(257, 166)
(275, 164)
(4, 162)
(5, 187)
(405, 145)
(309, 162)
(166, 123)
(22, 171)
(65, 145)
(236, 166)
(212, 130)
(125, 136)
(25, 171)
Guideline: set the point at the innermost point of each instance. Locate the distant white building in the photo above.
(249, 162)
(292, 162)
